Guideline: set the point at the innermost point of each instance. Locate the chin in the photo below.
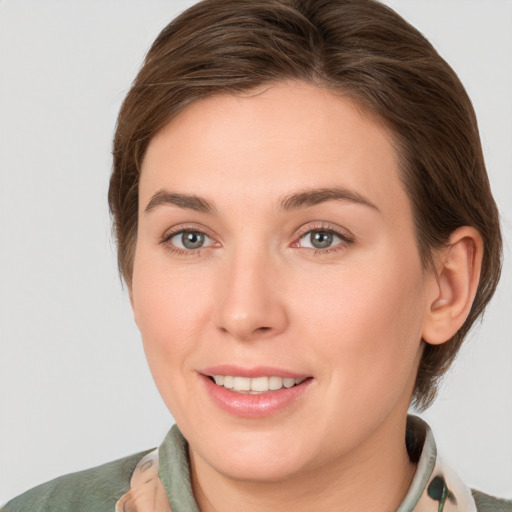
(254, 456)
(261, 469)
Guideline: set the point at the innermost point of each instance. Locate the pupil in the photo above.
(321, 239)
(192, 239)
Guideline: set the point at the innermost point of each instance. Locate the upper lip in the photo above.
(255, 371)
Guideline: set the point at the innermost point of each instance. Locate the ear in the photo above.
(457, 274)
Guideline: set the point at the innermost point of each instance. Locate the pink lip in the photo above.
(253, 406)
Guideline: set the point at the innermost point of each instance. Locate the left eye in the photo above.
(190, 240)
(320, 239)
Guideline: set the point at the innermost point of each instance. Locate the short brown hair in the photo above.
(358, 47)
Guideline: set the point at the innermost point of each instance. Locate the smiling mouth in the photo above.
(255, 385)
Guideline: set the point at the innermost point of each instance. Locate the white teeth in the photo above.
(288, 383)
(259, 384)
(229, 382)
(275, 383)
(242, 384)
(256, 384)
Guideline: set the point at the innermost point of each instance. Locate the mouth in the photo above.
(255, 392)
(255, 385)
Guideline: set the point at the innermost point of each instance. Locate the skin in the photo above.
(351, 316)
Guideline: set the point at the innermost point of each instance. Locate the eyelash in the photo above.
(345, 238)
(166, 240)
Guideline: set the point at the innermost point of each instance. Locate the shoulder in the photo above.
(486, 503)
(93, 490)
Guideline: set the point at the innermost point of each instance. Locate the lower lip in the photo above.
(258, 405)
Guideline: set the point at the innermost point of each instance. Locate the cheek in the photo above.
(367, 324)
(170, 309)
(169, 312)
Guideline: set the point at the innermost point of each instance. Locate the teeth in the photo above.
(229, 382)
(275, 383)
(256, 384)
(288, 383)
(242, 384)
(259, 384)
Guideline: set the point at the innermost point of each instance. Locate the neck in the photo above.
(375, 477)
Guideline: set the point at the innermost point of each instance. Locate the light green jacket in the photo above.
(435, 488)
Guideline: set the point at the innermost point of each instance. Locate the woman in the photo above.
(306, 230)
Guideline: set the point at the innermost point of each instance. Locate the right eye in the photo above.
(189, 240)
(320, 239)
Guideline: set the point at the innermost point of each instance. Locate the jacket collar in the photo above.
(162, 477)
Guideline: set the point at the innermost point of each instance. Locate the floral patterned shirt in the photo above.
(159, 481)
(434, 488)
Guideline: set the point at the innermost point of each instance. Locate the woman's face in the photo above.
(276, 247)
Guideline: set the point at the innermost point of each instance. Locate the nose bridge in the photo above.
(251, 306)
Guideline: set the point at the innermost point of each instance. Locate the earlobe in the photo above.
(457, 276)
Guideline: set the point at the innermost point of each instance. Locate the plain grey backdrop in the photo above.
(75, 390)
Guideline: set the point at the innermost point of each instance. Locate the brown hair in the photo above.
(358, 47)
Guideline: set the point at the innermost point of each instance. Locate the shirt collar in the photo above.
(434, 487)
(163, 477)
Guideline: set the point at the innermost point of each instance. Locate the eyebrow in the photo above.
(298, 200)
(190, 202)
(312, 197)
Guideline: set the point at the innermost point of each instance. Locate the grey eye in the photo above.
(189, 240)
(192, 239)
(321, 239)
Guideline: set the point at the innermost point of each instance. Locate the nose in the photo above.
(252, 303)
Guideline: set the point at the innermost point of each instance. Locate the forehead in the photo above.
(282, 137)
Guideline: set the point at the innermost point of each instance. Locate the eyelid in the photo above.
(180, 228)
(346, 237)
(343, 233)
(186, 226)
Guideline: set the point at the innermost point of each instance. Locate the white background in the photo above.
(75, 390)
